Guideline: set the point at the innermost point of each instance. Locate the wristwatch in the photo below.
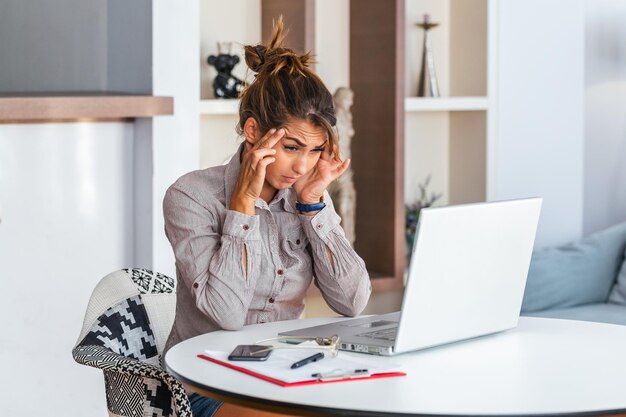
(305, 208)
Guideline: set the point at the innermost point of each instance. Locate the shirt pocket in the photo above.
(294, 250)
(296, 257)
(297, 241)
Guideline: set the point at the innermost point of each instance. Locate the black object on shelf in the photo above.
(225, 85)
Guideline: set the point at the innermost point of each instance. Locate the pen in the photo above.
(313, 358)
(341, 375)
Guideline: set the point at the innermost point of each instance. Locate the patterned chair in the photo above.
(128, 319)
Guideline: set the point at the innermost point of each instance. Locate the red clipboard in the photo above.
(299, 383)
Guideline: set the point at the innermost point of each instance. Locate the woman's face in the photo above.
(296, 153)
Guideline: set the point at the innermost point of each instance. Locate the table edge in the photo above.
(307, 410)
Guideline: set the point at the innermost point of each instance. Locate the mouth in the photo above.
(290, 180)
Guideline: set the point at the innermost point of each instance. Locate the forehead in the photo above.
(306, 132)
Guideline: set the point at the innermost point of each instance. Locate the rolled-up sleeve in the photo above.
(209, 254)
(344, 284)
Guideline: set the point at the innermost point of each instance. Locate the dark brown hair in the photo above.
(285, 88)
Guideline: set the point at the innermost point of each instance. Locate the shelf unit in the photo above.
(399, 139)
(403, 139)
(454, 129)
(218, 107)
(427, 104)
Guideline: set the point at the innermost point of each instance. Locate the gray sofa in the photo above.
(584, 280)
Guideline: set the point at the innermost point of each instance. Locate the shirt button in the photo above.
(271, 300)
(319, 226)
(246, 227)
(261, 321)
(195, 285)
(298, 242)
(280, 272)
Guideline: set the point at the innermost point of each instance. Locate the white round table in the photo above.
(542, 367)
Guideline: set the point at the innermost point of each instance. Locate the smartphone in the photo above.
(250, 353)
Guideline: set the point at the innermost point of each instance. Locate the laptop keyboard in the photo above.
(385, 334)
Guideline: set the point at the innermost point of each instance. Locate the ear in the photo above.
(251, 130)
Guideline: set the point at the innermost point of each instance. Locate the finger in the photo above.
(263, 165)
(259, 155)
(334, 164)
(342, 168)
(269, 141)
(325, 154)
(259, 143)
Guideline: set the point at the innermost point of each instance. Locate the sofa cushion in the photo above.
(579, 273)
(601, 312)
(618, 294)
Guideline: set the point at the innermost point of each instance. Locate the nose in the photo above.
(299, 165)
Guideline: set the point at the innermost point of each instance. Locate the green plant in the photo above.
(413, 211)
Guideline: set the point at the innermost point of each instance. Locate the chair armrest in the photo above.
(102, 358)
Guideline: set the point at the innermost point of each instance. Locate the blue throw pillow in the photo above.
(582, 272)
(618, 294)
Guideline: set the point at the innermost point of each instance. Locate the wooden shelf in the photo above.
(29, 108)
(218, 107)
(425, 104)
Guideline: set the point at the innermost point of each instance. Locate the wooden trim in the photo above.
(377, 79)
(252, 403)
(299, 19)
(77, 120)
(66, 108)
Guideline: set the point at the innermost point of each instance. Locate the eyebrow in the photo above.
(299, 142)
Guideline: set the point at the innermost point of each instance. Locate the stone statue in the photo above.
(342, 190)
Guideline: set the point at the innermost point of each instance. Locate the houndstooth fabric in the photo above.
(125, 329)
(121, 343)
(151, 282)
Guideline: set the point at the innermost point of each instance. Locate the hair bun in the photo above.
(255, 57)
(276, 56)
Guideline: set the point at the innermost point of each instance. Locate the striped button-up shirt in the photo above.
(285, 251)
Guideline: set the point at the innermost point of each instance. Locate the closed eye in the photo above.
(290, 148)
(318, 149)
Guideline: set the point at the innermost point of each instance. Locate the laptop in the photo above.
(466, 279)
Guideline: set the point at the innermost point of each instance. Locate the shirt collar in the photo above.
(287, 196)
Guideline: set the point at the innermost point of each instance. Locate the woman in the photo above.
(250, 236)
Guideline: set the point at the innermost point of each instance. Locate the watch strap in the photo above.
(305, 208)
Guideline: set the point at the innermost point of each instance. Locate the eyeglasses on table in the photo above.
(330, 343)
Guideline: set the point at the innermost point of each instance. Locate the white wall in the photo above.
(175, 39)
(66, 221)
(605, 114)
(539, 149)
(73, 209)
(332, 42)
